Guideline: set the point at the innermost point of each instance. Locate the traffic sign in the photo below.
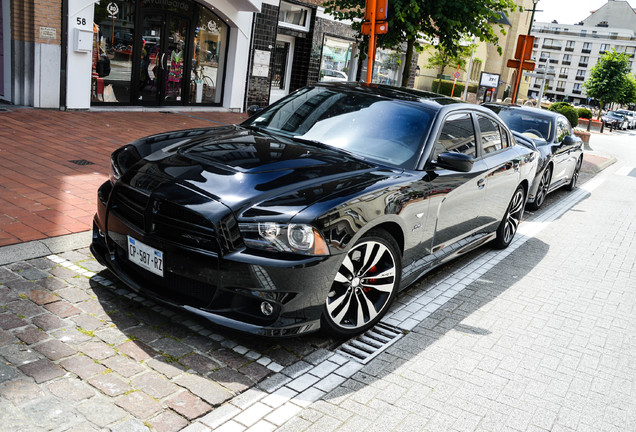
(112, 9)
(456, 75)
(381, 27)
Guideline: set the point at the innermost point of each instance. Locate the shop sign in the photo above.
(171, 5)
(261, 63)
(112, 9)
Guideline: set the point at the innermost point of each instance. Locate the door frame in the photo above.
(276, 94)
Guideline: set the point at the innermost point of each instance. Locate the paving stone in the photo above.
(63, 309)
(83, 366)
(42, 296)
(18, 353)
(42, 263)
(18, 391)
(88, 322)
(20, 286)
(33, 273)
(54, 349)
(48, 322)
(199, 363)
(93, 307)
(82, 427)
(124, 366)
(100, 411)
(154, 384)
(168, 421)
(229, 358)
(171, 347)
(51, 283)
(42, 370)
(131, 425)
(109, 384)
(282, 356)
(232, 380)
(188, 405)
(31, 334)
(137, 350)
(111, 335)
(143, 333)
(170, 370)
(62, 272)
(7, 275)
(25, 308)
(72, 295)
(7, 373)
(200, 343)
(48, 411)
(206, 389)
(96, 350)
(10, 321)
(139, 404)
(71, 335)
(71, 389)
(7, 295)
(255, 371)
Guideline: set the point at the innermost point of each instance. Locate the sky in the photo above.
(568, 11)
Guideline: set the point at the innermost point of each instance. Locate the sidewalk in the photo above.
(52, 162)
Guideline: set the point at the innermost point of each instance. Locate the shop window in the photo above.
(112, 52)
(336, 59)
(387, 67)
(208, 61)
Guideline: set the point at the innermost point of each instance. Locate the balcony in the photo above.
(580, 78)
(586, 51)
(566, 62)
(554, 60)
(583, 65)
(543, 59)
(560, 89)
(563, 76)
(576, 91)
(536, 86)
(553, 47)
(569, 49)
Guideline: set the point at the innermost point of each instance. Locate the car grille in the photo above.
(175, 223)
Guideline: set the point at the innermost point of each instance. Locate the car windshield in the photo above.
(615, 114)
(533, 125)
(367, 125)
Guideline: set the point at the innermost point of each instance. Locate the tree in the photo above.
(443, 58)
(628, 97)
(608, 78)
(445, 20)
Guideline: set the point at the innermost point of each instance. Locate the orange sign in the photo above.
(381, 27)
(381, 7)
(525, 66)
(529, 43)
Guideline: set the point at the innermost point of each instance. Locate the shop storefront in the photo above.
(154, 52)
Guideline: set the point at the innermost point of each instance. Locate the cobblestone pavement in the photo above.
(538, 337)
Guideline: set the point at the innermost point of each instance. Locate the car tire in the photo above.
(356, 301)
(542, 190)
(511, 220)
(575, 175)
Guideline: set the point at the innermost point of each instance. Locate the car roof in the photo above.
(513, 107)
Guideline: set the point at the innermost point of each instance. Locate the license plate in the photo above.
(145, 256)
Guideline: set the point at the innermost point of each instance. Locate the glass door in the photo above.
(281, 68)
(164, 41)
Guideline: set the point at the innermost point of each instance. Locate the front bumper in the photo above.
(227, 289)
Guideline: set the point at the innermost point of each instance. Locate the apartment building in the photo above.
(569, 51)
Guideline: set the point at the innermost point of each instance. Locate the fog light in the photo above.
(267, 308)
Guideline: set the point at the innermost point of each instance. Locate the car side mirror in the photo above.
(454, 161)
(253, 109)
(568, 141)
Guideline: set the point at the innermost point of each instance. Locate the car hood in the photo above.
(253, 174)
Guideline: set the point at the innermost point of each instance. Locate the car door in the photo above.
(456, 200)
(503, 164)
(562, 153)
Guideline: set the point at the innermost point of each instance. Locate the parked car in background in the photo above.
(333, 75)
(315, 211)
(561, 152)
(631, 118)
(615, 120)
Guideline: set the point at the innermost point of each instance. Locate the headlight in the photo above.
(121, 160)
(292, 238)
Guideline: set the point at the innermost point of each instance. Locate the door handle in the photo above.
(481, 183)
(161, 61)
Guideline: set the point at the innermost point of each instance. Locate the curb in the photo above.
(596, 168)
(41, 248)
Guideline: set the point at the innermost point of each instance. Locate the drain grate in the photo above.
(368, 345)
(82, 162)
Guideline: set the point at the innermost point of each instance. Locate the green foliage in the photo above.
(447, 86)
(442, 58)
(584, 113)
(446, 20)
(628, 97)
(609, 78)
(567, 110)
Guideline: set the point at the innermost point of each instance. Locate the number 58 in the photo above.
(81, 21)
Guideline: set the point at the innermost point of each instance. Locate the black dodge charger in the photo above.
(315, 211)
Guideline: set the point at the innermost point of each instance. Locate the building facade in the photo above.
(568, 52)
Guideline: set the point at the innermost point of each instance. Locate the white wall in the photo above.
(79, 64)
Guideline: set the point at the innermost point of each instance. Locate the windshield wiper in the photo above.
(326, 146)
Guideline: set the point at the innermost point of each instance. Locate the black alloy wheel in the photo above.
(542, 190)
(510, 222)
(364, 287)
(575, 175)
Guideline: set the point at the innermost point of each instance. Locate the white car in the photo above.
(333, 75)
(631, 118)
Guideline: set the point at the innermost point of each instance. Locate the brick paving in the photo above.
(42, 193)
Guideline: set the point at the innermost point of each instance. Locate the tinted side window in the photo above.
(458, 135)
(563, 129)
(490, 135)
